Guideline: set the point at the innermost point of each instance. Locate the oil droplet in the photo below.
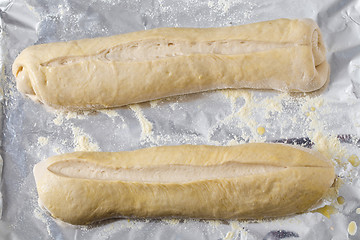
(337, 160)
(327, 210)
(229, 235)
(307, 114)
(260, 130)
(352, 228)
(341, 200)
(312, 109)
(354, 160)
(358, 211)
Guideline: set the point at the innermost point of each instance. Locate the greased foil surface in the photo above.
(328, 121)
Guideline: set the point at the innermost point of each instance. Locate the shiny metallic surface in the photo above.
(194, 119)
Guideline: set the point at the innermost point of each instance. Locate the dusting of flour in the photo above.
(42, 141)
(146, 125)
(82, 141)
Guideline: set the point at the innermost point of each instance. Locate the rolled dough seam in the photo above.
(167, 50)
(165, 174)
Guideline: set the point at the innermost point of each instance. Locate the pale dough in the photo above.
(249, 181)
(286, 55)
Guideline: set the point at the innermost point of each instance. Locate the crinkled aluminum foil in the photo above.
(32, 132)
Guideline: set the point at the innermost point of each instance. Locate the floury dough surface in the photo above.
(248, 181)
(284, 54)
(226, 117)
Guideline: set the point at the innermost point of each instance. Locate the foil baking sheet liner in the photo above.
(328, 121)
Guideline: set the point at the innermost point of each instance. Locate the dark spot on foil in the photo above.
(281, 234)
(304, 141)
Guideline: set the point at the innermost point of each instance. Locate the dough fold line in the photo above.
(155, 49)
(171, 173)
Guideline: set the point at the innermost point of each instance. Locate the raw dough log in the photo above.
(286, 55)
(248, 181)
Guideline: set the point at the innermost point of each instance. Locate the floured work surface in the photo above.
(216, 118)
